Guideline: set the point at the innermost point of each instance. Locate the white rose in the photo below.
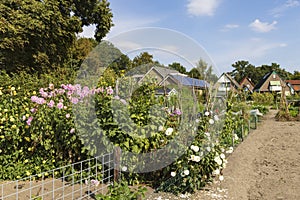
(173, 174)
(124, 168)
(197, 158)
(216, 172)
(208, 149)
(218, 160)
(230, 150)
(195, 148)
(207, 134)
(216, 118)
(169, 131)
(160, 128)
(206, 113)
(186, 172)
(211, 121)
(222, 156)
(221, 178)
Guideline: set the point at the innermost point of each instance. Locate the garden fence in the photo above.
(81, 180)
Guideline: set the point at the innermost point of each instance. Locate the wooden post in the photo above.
(249, 124)
(243, 132)
(233, 138)
(255, 117)
(117, 159)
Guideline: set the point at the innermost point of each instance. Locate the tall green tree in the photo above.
(243, 69)
(36, 35)
(177, 66)
(295, 76)
(203, 72)
(143, 59)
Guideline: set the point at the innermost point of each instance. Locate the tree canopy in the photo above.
(243, 69)
(203, 72)
(38, 34)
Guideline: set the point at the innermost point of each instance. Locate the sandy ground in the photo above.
(265, 166)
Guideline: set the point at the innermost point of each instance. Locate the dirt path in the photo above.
(265, 166)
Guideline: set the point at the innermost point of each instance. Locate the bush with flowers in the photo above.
(38, 132)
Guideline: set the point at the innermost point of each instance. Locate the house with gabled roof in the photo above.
(158, 73)
(295, 84)
(271, 82)
(184, 80)
(227, 83)
(169, 79)
(247, 84)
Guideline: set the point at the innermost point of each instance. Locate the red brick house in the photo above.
(295, 85)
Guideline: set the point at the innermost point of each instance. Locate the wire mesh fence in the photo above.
(81, 180)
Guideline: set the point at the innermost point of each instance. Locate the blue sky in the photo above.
(260, 31)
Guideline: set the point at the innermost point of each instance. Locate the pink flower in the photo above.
(72, 130)
(33, 110)
(29, 120)
(101, 89)
(74, 100)
(40, 101)
(60, 105)
(177, 111)
(34, 99)
(61, 91)
(95, 182)
(109, 90)
(51, 104)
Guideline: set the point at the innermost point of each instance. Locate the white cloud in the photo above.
(228, 27)
(202, 7)
(262, 27)
(279, 10)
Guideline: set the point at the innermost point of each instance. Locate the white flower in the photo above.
(221, 178)
(197, 158)
(195, 148)
(160, 128)
(208, 149)
(230, 150)
(207, 134)
(186, 172)
(197, 120)
(206, 113)
(222, 156)
(236, 137)
(216, 172)
(124, 168)
(169, 131)
(222, 150)
(211, 121)
(218, 160)
(216, 118)
(173, 174)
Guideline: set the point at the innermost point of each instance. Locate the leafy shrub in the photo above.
(122, 191)
(265, 99)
